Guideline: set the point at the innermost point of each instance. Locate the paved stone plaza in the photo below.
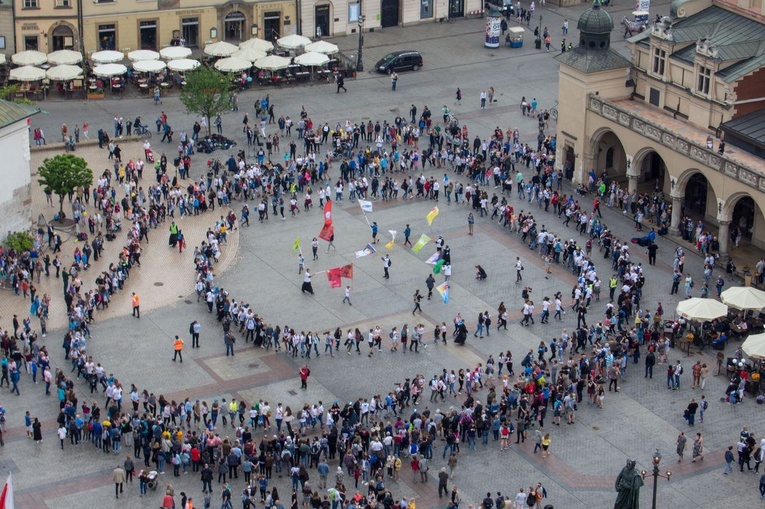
(259, 267)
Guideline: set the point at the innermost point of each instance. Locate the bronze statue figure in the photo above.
(628, 486)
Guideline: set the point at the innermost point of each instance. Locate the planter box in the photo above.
(96, 97)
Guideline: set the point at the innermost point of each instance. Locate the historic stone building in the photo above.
(657, 121)
(15, 193)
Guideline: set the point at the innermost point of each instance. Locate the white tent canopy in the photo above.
(250, 54)
(143, 54)
(272, 63)
(258, 44)
(182, 64)
(293, 41)
(744, 297)
(64, 57)
(29, 57)
(63, 72)
(109, 70)
(232, 64)
(754, 346)
(2, 58)
(107, 57)
(175, 52)
(702, 310)
(312, 59)
(322, 47)
(149, 66)
(27, 73)
(220, 49)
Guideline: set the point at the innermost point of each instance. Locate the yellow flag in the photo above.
(392, 242)
(424, 239)
(296, 245)
(432, 215)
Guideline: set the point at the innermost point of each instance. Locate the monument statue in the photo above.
(628, 486)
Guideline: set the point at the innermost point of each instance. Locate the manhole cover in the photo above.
(159, 283)
(253, 365)
(187, 301)
(292, 393)
(596, 428)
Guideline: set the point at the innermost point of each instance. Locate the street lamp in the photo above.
(656, 474)
(359, 62)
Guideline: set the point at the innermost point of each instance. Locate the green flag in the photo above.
(437, 267)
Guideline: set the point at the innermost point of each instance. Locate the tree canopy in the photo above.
(63, 174)
(206, 92)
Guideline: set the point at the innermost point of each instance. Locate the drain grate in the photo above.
(187, 301)
(253, 365)
(596, 428)
(159, 283)
(292, 393)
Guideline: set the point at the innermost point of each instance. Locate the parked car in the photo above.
(400, 61)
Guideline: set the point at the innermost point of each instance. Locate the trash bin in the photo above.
(538, 43)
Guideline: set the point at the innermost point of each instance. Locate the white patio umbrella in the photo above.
(293, 41)
(175, 52)
(107, 57)
(312, 59)
(143, 54)
(220, 49)
(232, 64)
(249, 53)
(27, 73)
(149, 66)
(272, 63)
(322, 47)
(64, 57)
(702, 310)
(29, 57)
(258, 44)
(744, 297)
(182, 64)
(109, 70)
(2, 58)
(63, 72)
(754, 346)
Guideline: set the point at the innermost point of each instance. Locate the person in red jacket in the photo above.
(304, 374)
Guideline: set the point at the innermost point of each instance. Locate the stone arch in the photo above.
(609, 154)
(700, 198)
(742, 210)
(234, 19)
(649, 165)
(60, 29)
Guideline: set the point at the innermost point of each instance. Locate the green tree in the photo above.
(206, 92)
(8, 93)
(20, 241)
(63, 174)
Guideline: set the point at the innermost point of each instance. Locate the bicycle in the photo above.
(143, 130)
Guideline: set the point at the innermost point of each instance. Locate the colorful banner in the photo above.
(443, 289)
(366, 206)
(434, 258)
(437, 267)
(368, 250)
(335, 275)
(327, 230)
(296, 245)
(346, 271)
(424, 239)
(6, 497)
(392, 242)
(432, 215)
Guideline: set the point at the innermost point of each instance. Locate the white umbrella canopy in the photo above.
(107, 56)
(64, 57)
(149, 66)
(109, 70)
(702, 310)
(232, 64)
(29, 57)
(175, 52)
(220, 49)
(754, 346)
(2, 58)
(63, 72)
(312, 59)
(322, 47)
(182, 64)
(27, 73)
(249, 53)
(744, 297)
(293, 41)
(258, 44)
(272, 63)
(143, 54)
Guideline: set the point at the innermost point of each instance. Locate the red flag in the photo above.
(346, 271)
(328, 230)
(333, 278)
(6, 497)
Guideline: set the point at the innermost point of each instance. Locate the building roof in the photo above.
(11, 112)
(750, 127)
(593, 61)
(734, 37)
(595, 20)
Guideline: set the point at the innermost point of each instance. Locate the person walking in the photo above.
(304, 374)
(307, 287)
(681, 444)
(340, 80)
(178, 349)
(729, 461)
(393, 80)
(135, 302)
(194, 330)
(698, 448)
(119, 480)
(347, 297)
(650, 362)
(407, 233)
(471, 222)
(443, 479)
(518, 269)
(417, 299)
